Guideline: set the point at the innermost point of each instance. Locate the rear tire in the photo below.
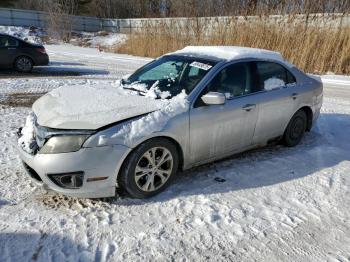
(23, 64)
(149, 169)
(295, 129)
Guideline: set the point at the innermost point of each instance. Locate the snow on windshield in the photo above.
(170, 74)
(154, 92)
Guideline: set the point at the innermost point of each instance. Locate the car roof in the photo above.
(228, 53)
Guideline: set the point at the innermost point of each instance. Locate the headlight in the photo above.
(63, 144)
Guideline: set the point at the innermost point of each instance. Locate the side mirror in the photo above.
(214, 98)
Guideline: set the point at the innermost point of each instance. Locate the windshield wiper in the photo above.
(136, 90)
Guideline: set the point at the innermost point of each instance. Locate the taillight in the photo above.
(41, 50)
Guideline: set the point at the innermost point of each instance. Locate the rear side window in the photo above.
(6, 41)
(273, 75)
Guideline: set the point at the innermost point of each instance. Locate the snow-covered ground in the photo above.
(90, 61)
(271, 204)
(103, 40)
(69, 61)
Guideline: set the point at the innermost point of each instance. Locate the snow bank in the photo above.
(334, 80)
(30, 35)
(229, 52)
(155, 121)
(28, 135)
(34, 35)
(109, 40)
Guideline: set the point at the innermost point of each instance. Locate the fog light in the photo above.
(72, 180)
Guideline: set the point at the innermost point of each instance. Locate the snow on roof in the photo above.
(229, 52)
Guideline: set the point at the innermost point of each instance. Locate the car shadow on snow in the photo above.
(59, 63)
(67, 71)
(55, 70)
(4, 202)
(42, 247)
(325, 146)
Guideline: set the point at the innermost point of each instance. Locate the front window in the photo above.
(170, 74)
(233, 81)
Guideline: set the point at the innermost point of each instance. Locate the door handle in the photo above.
(295, 95)
(248, 107)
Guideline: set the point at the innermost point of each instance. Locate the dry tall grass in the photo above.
(313, 47)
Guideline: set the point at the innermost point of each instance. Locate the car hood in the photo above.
(86, 107)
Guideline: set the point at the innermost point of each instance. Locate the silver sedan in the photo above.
(184, 109)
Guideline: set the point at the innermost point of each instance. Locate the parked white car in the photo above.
(181, 110)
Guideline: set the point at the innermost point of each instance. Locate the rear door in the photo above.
(216, 130)
(8, 50)
(277, 103)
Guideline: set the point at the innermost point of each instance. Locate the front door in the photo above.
(216, 130)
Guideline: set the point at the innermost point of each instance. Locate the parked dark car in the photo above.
(21, 55)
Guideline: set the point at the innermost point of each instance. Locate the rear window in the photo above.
(273, 75)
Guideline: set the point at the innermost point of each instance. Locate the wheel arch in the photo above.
(171, 139)
(23, 55)
(309, 115)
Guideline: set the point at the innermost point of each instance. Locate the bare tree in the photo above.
(185, 8)
(60, 20)
(31, 4)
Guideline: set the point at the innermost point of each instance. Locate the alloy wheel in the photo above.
(153, 169)
(24, 64)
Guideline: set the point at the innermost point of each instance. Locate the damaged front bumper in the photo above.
(87, 173)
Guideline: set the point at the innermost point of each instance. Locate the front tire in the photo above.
(150, 168)
(295, 129)
(23, 64)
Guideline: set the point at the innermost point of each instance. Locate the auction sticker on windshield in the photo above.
(200, 65)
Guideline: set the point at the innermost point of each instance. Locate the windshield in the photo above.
(169, 75)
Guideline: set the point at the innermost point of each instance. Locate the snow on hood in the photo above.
(86, 107)
(154, 121)
(28, 134)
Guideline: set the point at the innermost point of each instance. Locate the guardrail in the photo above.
(19, 17)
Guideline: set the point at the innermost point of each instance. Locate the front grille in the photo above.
(32, 172)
